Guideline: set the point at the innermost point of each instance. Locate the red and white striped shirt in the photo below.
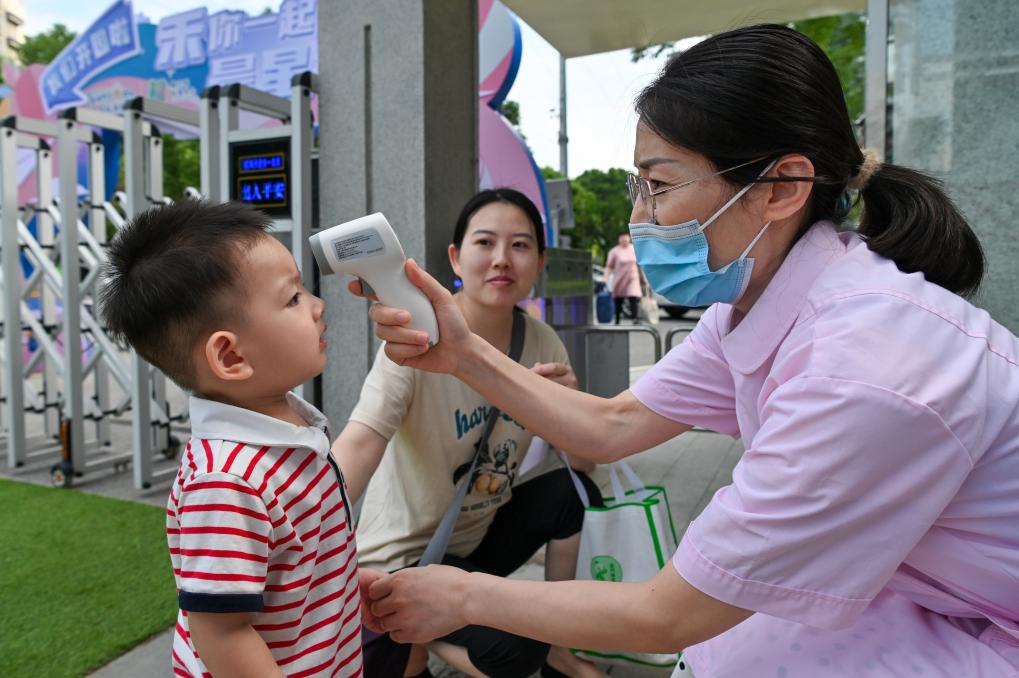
(258, 522)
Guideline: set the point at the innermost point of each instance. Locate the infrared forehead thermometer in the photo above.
(368, 248)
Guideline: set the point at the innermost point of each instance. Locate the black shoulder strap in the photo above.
(517, 338)
(439, 542)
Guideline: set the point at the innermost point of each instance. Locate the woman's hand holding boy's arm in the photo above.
(423, 603)
(230, 647)
(365, 578)
(663, 614)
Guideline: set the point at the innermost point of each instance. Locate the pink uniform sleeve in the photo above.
(693, 384)
(225, 541)
(839, 484)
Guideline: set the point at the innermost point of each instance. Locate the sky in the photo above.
(600, 88)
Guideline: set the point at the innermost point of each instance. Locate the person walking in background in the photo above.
(621, 264)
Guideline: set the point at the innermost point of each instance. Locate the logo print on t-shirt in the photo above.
(494, 473)
(468, 421)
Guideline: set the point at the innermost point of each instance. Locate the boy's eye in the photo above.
(294, 299)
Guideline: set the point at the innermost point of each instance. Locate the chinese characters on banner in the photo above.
(263, 52)
(117, 59)
(112, 38)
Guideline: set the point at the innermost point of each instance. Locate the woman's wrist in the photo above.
(471, 359)
(471, 597)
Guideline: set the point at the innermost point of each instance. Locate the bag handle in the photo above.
(632, 479)
(636, 484)
(617, 487)
(439, 542)
(577, 485)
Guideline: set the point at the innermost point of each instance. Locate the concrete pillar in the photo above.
(956, 72)
(398, 135)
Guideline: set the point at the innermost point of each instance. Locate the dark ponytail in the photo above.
(767, 91)
(908, 218)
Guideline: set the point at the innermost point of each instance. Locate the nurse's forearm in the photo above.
(586, 426)
(566, 418)
(664, 614)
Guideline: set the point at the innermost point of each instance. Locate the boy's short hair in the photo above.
(172, 277)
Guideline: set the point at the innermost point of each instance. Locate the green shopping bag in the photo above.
(630, 539)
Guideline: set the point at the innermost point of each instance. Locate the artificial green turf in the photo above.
(82, 579)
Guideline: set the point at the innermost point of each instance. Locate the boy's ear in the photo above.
(225, 359)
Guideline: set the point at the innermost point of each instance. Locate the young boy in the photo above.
(259, 528)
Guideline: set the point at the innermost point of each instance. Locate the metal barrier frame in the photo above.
(77, 246)
(220, 118)
(582, 334)
(143, 183)
(82, 241)
(588, 330)
(670, 336)
(11, 139)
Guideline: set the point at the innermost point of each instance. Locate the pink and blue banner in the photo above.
(111, 39)
(122, 56)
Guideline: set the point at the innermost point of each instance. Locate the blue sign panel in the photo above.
(261, 163)
(264, 191)
(260, 174)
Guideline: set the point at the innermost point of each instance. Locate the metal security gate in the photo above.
(66, 254)
(63, 377)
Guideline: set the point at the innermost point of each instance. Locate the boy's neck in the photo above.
(276, 406)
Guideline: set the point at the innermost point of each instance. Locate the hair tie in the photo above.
(871, 163)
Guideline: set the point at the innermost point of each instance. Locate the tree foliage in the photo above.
(840, 36)
(550, 173)
(44, 47)
(601, 209)
(180, 165)
(652, 51)
(511, 111)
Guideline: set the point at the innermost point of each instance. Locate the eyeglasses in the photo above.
(639, 187)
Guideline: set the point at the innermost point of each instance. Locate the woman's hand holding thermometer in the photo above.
(415, 310)
(368, 248)
(407, 346)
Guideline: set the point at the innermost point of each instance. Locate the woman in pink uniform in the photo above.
(872, 524)
(622, 264)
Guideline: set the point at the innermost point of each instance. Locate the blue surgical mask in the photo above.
(675, 260)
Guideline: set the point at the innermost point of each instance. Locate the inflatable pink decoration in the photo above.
(505, 159)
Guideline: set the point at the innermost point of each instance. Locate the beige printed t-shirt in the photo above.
(433, 423)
